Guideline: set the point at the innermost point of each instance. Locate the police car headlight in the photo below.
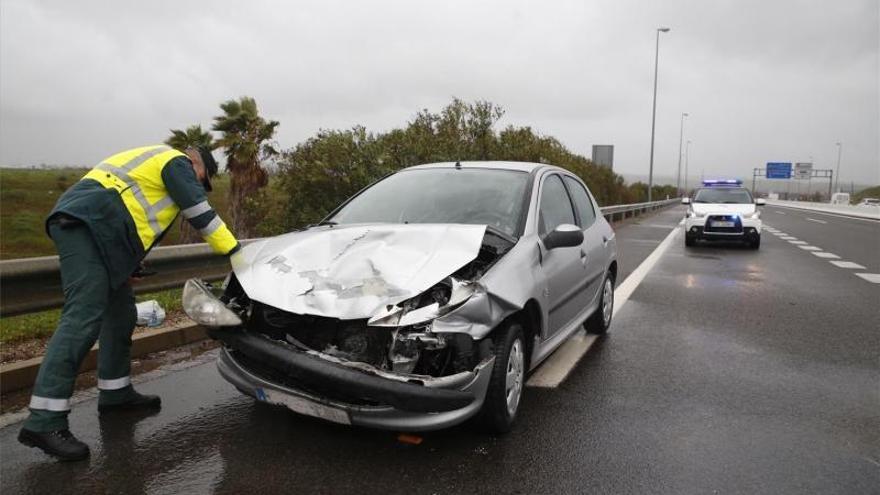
(694, 214)
(754, 216)
(200, 304)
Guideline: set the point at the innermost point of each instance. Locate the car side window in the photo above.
(582, 202)
(555, 208)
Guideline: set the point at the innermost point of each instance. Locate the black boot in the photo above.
(59, 443)
(135, 402)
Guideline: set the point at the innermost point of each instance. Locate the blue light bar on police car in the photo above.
(722, 183)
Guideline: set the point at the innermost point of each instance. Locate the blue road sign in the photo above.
(778, 170)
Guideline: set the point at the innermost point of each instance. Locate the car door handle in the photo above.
(604, 240)
(583, 257)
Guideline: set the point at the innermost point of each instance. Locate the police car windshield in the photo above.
(733, 195)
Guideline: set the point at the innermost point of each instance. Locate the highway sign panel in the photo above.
(803, 170)
(778, 170)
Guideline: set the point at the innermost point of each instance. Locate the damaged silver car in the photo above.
(421, 302)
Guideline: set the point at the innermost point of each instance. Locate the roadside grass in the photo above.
(25, 327)
(871, 192)
(28, 195)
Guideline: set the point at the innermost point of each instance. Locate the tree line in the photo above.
(319, 173)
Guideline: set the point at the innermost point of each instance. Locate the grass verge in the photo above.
(25, 327)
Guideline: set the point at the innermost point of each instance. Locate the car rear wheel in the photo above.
(507, 381)
(600, 320)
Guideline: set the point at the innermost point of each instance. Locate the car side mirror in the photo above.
(760, 201)
(565, 235)
(685, 201)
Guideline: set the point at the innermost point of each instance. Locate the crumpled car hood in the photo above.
(353, 272)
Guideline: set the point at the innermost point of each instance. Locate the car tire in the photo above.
(755, 243)
(689, 241)
(599, 322)
(508, 379)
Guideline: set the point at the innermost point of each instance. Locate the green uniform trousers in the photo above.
(92, 309)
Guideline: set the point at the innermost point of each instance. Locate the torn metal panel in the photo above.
(404, 315)
(504, 290)
(353, 272)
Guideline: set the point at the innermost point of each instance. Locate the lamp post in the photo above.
(687, 150)
(654, 110)
(837, 173)
(680, 138)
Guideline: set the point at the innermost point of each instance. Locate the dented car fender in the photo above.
(503, 290)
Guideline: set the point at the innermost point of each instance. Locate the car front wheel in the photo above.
(508, 378)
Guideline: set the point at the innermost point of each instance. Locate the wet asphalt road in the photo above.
(728, 370)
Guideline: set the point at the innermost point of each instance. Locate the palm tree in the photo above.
(245, 137)
(193, 137)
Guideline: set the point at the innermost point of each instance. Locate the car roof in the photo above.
(517, 166)
(722, 188)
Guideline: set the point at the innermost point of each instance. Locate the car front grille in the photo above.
(736, 229)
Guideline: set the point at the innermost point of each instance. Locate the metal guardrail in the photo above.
(28, 285)
(623, 211)
(34, 284)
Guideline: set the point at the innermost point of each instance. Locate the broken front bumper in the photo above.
(395, 403)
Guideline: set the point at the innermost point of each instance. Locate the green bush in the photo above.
(320, 173)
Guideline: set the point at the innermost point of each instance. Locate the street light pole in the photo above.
(680, 138)
(837, 174)
(654, 110)
(687, 150)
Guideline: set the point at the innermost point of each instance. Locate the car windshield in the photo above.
(470, 196)
(732, 195)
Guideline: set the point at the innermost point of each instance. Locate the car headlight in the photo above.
(694, 214)
(754, 216)
(200, 304)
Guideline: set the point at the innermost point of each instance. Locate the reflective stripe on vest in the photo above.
(123, 170)
(196, 210)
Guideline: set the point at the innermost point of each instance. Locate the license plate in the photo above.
(303, 406)
(723, 224)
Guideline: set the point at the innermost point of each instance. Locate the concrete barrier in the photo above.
(846, 210)
(21, 374)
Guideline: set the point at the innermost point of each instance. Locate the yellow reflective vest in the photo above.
(136, 175)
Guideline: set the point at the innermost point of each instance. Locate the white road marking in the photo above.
(779, 212)
(628, 286)
(788, 238)
(874, 278)
(817, 221)
(823, 254)
(811, 248)
(847, 264)
(797, 243)
(556, 368)
(814, 212)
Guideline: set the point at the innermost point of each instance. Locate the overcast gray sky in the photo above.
(763, 80)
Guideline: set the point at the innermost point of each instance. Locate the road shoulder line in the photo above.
(559, 365)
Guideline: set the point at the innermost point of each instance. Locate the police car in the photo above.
(723, 210)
